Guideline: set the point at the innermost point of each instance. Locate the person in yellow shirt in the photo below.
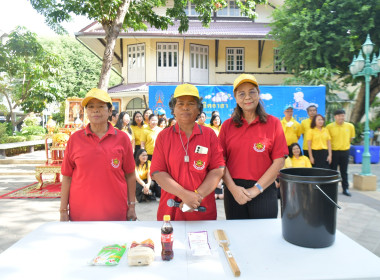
(149, 136)
(137, 128)
(123, 123)
(202, 119)
(305, 126)
(342, 133)
(292, 128)
(216, 123)
(319, 143)
(146, 114)
(145, 186)
(296, 159)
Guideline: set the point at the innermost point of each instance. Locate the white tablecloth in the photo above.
(62, 251)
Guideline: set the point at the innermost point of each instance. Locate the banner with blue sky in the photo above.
(220, 98)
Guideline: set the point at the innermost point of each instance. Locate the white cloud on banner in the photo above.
(266, 96)
(221, 97)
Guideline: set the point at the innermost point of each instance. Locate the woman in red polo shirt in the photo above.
(99, 181)
(187, 160)
(254, 148)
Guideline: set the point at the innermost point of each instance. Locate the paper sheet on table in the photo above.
(198, 242)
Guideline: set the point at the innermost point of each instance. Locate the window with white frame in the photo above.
(190, 10)
(231, 10)
(235, 59)
(278, 63)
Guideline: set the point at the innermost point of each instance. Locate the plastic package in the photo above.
(141, 253)
(109, 255)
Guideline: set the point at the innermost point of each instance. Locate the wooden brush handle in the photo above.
(231, 261)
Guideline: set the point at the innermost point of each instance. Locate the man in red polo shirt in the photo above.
(187, 161)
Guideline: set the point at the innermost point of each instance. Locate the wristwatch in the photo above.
(259, 187)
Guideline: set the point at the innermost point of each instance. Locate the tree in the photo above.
(328, 33)
(115, 15)
(79, 69)
(27, 74)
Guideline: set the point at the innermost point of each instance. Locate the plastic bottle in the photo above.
(167, 239)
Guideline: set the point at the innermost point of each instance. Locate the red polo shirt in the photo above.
(98, 189)
(249, 150)
(169, 156)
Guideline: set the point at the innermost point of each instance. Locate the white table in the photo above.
(62, 251)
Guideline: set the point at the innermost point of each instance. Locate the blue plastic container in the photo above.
(357, 153)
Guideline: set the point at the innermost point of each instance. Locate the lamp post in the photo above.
(364, 67)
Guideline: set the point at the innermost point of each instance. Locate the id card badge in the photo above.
(201, 150)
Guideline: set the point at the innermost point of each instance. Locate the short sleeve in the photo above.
(158, 163)
(68, 164)
(216, 155)
(222, 140)
(280, 148)
(128, 159)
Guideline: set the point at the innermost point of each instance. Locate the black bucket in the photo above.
(308, 206)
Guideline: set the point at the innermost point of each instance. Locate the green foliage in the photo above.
(27, 69)
(31, 120)
(3, 130)
(33, 130)
(79, 70)
(313, 34)
(115, 15)
(13, 139)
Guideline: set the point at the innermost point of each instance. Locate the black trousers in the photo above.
(306, 153)
(341, 158)
(320, 159)
(264, 206)
(154, 188)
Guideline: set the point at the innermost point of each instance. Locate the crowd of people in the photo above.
(115, 160)
(323, 146)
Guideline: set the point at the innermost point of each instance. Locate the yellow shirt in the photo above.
(204, 124)
(143, 171)
(318, 138)
(131, 136)
(341, 135)
(292, 130)
(149, 136)
(305, 126)
(216, 129)
(302, 161)
(137, 131)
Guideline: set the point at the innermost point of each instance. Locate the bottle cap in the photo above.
(166, 218)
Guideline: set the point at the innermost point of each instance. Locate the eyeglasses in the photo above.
(251, 93)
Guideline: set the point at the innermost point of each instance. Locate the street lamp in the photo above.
(364, 67)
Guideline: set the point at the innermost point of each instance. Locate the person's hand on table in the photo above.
(240, 194)
(131, 213)
(64, 216)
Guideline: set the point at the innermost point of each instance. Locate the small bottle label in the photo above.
(167, 237)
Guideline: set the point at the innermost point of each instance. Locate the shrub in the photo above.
(33, 130)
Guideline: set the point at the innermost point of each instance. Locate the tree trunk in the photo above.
(359, 109)
(112, 30)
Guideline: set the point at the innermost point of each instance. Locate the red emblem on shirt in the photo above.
(115, 163)
(259, 147)
(199, 165)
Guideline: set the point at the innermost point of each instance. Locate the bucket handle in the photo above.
(328, 196)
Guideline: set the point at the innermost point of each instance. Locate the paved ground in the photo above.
(359, 217)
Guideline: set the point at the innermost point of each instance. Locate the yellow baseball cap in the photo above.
(98, 94)
(186, 89)
(245, 78)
